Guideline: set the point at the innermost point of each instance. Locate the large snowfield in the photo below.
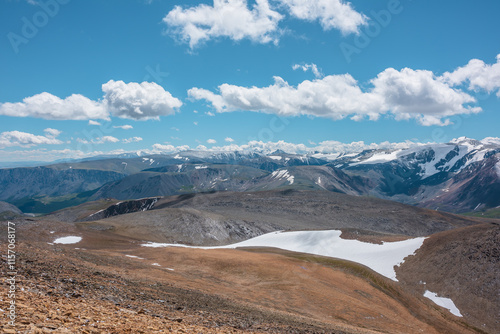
(380, 258)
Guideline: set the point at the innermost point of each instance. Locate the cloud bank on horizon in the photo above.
(326, 149)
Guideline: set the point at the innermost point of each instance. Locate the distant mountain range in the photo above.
(460, 176)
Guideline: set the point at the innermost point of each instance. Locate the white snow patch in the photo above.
(440, 153)
(275, 157)
(283, 174)
(170, 269)
(326, 156)
(68, 240)
(177, 156)
(381, 258)
(156, 264)
(478, 156)
(497, 168)
(471, 144)
(135, 257)
(491, 141)
(379, 158)
(201, 167)
(51, 232)
(447, 303)
(97, 212)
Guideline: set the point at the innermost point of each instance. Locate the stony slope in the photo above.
(95, 286)
(9, 211)
(225, 217)
(460, 176)
(18, 183)
(464, 265)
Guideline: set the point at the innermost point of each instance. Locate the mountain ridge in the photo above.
(460, 176)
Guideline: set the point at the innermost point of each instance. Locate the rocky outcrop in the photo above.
(463, 265)
(9, 211)
(121, 208)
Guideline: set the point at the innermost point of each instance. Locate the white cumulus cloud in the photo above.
(405, 94)
(226, 18)
(24, 139)
(419, 94)
(211, 141)
(322, 149)
(105, 139)
(229, 139)
(132, 140)
(123, 127)
(161, 148)
(48, 106)
(139, 101)
(332, 14)
(164, 148)
(306, 67)
(257, 21)
(477, 74)
(334, 96)
(52, 133)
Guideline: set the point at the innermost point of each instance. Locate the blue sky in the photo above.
(191, 73)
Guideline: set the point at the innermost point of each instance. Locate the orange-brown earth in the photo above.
(94, 287)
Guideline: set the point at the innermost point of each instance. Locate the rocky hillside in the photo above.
(9, 211)
(464, 265)
(122, 208)
(460, 176)
(223, 218)
(18, 183)
(188, 178)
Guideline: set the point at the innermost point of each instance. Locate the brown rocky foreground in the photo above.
(110, 284)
